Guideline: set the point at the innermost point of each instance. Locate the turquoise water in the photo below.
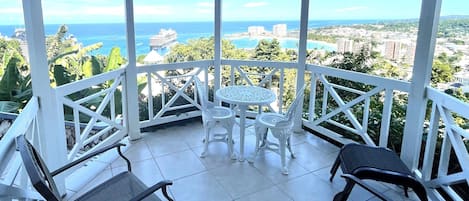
(284, 43)
(112, 35)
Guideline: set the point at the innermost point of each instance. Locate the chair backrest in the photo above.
(291, 112)
(37, 170)
(202, 92)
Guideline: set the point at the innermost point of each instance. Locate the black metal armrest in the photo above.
(360, 182)
(90, 155)
(160, 185)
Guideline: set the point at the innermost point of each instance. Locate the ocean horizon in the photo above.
(113, 34)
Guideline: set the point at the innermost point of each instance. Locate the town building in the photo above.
(392, 50)
(256, 31)
(280, 30)
(344, 45)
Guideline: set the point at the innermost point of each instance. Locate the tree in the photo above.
(8, 49)
(203, 49)
(267, 50)
(441, 72)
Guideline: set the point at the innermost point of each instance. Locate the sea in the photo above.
(114, 35)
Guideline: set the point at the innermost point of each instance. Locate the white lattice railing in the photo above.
(272, 75)
(354, 112)
(167, 93)
(96, 115)
(444, 128)
(104, 123)
(14, 182)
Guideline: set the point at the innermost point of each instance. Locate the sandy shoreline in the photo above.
(238, 37)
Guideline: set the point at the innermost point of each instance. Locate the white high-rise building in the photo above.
(410, 53)
(280, 30)
(344, 45)
(392, 50)
(256, 30)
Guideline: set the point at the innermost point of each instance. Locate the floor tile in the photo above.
(137, 151)
(172, 152)
(199, 187)
(269, 164)
(308, 188)
(165, 143)
(270, 194)
(180, 164)
(240, 179)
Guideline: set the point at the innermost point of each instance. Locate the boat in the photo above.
(164, 39)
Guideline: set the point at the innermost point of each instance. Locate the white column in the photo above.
(218, 49)
(51, 125)
(421, 74)
(300, 79)
(132, 118)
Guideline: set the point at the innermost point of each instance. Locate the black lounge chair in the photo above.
(359, 162)
(124, 186)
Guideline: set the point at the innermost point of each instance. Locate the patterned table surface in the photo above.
(246, 95)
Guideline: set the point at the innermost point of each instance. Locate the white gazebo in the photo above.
(153, 57)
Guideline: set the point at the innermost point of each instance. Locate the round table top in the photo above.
(246, 95)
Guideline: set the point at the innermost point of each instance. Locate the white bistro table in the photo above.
(243, 96)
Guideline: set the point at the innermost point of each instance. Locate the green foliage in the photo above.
(267, 50)
(16, 88)
(441, 73)
(115, 60)
(140, 58)
(444, 68)
(56, 44)
(320, 37)
(8, 49)
(62, 76)
(9, 106)
(203, 49)
(10, 80)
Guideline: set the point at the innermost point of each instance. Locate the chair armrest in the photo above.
(160, 185)
(365, 186)
(88, 156)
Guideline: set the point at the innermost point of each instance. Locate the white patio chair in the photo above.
(213, 116)
(280, 126)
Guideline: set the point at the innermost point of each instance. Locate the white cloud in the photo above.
(86, 11)
(111, 11)
(114, 11)
(206, 4)
(348, 9)
(154, 10)
(255, 4)
(205, 11)
(11, 11)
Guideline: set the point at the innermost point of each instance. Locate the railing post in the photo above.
(131, 97)
(217, 41)
(300, 79)
(421, 74)
(52, 140)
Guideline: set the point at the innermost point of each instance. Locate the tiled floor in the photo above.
(173, 153)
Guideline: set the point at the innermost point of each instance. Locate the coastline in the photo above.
(234, 37)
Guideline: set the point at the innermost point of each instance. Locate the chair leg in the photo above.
(289, 147)
(342, 196)
(282, 146)
(229, 130)
(334, 168)
(259, 136)
(206, 141)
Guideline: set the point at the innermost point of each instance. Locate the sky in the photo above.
(112, 11)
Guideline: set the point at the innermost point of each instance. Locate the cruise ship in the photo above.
(164, 39)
